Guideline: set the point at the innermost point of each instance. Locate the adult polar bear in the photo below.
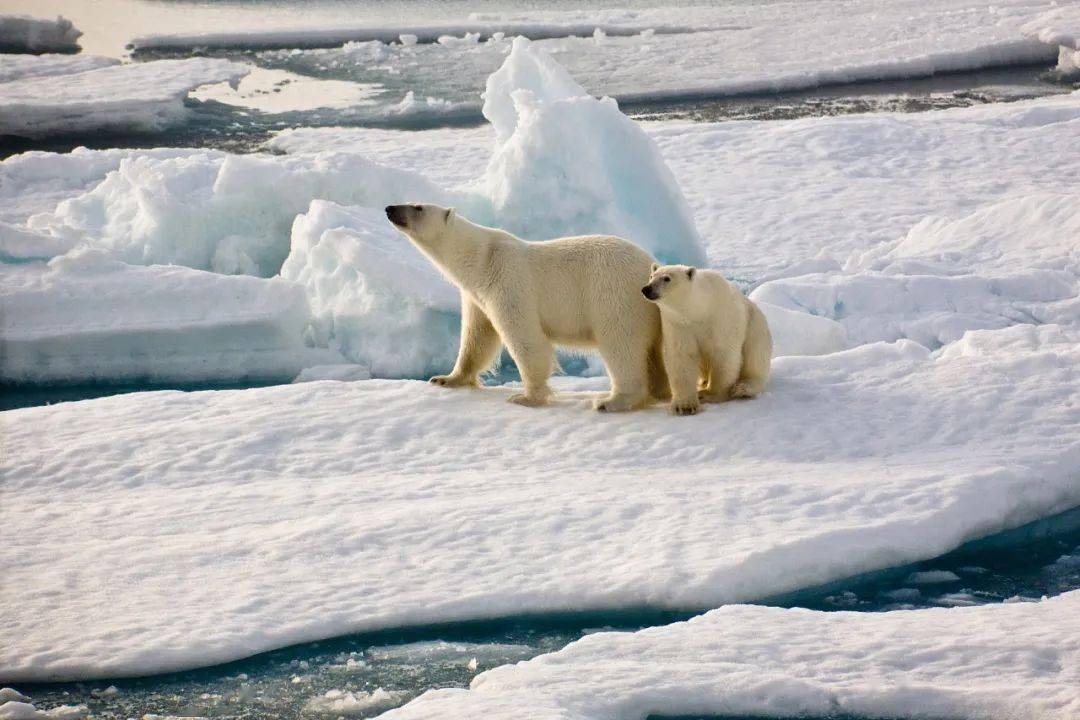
(582, 292)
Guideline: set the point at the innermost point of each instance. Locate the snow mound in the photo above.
(86, 317)
(1016, 261)
(529, 511)
(139, 97)
(800, 333)
(1060, 27)
(22, 67)
(375, 298)
(566, 163)
(25, 34)
(231, 214)
(750, 661)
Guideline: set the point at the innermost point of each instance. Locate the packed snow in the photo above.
(139, 97)
(999, 662)
(1061, 27)
(26, 34)
(312, 510)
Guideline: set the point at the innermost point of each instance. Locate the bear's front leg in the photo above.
(682, 364)
(479, 347)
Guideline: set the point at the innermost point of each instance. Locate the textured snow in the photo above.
(20, 67)
(1015, 261)
(316, 509)
(86, 317)
(26, 34)
(998, 662)
(141, 97)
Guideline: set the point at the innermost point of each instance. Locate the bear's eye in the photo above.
(667, 278)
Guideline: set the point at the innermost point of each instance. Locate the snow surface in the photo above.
(311, 510)
(21, 67)
(142, 97)
(26, 34)
(1003, 662)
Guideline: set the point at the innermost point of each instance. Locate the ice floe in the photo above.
(26, 34)
(21, 67)
(391, 503)
(138, 97)
(1000, 662)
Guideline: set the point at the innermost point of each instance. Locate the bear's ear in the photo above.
(690, 274)
(450, 212)
(655, 267)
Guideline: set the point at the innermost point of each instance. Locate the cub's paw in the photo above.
(743, 391)
(450, 381)
(619, 403)
(686, 407)
(527, 400)
(708, 397)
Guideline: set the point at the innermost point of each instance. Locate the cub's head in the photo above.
(424, 224)
(669, 284)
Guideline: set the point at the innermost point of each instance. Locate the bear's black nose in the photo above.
(395, 214)
(648, 292)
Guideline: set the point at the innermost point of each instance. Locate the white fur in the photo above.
(717, 344)
(582, 292)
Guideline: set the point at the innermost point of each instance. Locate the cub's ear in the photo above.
(690, 273)
(655, 267)
(450, 212)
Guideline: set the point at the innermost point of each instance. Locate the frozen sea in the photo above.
(226, 494)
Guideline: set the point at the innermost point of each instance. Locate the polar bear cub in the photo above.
(531, 296)
(716, 342)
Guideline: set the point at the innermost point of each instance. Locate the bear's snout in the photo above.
(649, 292)
(396, 214)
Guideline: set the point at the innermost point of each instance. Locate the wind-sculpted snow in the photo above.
(566, 163)
(142, 97)
(1000, 662)
(1061, 27)
(298, 512)
(26, 34)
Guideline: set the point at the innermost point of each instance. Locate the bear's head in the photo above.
(424, 224)
(669, 284)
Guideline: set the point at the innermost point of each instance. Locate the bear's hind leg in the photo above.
(756, 357)
(627, 361)
(724, 366)
(478, 350)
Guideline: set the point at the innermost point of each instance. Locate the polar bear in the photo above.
(711, 333)
(582, 292)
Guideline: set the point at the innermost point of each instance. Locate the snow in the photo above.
(1061, 27)
(26, 34)
(15, 710)
(1009, 262)
(999, 662)
(86, 317)
(365, 508)
(139, 97)
(21, 67)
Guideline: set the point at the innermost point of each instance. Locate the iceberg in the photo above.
(566, 163)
